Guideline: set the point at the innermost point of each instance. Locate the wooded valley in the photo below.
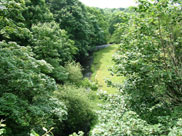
(135, 86)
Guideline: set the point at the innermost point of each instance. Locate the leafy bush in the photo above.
(12, 27)
(80, 113)
(75, 72)
(89, 84)
(116, 119)
(118, 25)
(98, 21)
(176, 130)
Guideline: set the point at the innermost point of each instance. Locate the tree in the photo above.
(26, 89)
(54, 46)
(99, 26)
(13, 26)
(37, 11)
(150, 57)
(72, 16)
(118, 24)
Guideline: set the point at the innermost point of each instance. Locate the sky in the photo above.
(109, 3)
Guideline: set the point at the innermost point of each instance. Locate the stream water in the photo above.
(89, 60)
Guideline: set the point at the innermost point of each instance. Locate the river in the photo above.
(89, 60)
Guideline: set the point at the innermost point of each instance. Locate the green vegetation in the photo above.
(136, 85)
(149, 57)
(101, 64)
(38, 50)
(86, 26)
(79, 109)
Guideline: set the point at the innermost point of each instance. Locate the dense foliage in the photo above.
(118, 24)
(116, 118)
(53, 45)
(149, 57)
(39, 41)
(150, 53)
(99, 28)
(41, 86)
(80, 113)
(86, 26)
(26, 90)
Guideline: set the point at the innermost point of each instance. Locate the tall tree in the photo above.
(72, 16)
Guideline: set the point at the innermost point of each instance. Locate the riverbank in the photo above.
(98, 66)
(87, 73)
(102, 62)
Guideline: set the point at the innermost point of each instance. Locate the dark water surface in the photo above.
(87, 63)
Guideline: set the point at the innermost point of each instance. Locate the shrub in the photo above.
(80, 113)
(115, 119)
(150, 59)
(177, 129)
(75, 72)
(89, 84)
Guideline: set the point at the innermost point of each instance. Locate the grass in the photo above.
(102, 62)
(100, 71)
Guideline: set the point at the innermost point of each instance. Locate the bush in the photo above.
(115, 119)
(80, 113)
(148, 57)
(177, 129)
(75, 72)
(89, 84)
